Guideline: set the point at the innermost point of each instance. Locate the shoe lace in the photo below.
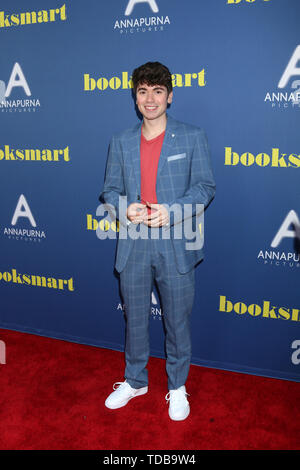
(176, 396)
(118, 385)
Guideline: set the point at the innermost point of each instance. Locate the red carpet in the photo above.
(53, 392)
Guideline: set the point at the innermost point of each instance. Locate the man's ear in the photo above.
(170, 97)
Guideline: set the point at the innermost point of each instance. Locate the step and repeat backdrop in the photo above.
(65, 89)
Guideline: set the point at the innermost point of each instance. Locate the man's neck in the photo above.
(153, 128)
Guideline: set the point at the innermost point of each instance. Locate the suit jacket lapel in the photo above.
(134, 151)
(167, 146)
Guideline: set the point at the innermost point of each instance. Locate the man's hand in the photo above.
(159, 216)
(136, 212)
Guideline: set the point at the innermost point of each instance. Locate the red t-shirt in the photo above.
(150, 153)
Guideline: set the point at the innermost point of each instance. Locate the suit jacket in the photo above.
(184, 176)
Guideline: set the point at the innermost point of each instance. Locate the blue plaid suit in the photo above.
(184, 176)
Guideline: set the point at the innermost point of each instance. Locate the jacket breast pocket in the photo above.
(178, 156)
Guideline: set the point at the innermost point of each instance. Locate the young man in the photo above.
(156, 164)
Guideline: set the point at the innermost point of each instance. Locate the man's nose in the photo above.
(149, 98)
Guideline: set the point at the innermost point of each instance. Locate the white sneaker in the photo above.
(122, 394)
(179, 407)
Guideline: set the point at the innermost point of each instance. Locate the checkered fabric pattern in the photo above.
(184, 176)
(152, 261)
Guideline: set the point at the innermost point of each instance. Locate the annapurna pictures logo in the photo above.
(290, 228)
(25, 102)
(17, 232)
(156, 311)
(130, 25)
(288, 96)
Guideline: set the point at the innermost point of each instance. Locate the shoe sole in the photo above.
(141, 391)
(181, 418)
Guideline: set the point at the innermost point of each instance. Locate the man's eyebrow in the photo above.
(156, 87)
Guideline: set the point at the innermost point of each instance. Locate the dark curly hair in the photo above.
(152, 73)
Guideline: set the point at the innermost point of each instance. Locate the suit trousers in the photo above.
(150, 260)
